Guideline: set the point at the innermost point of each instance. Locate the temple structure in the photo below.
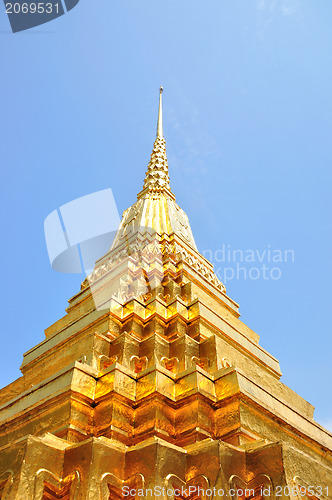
(152, 387)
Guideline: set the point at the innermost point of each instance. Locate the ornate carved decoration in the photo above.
(201, 362)
(225, 363)
(200, 484)
(106, 361)
(171, 364)
(177, 254)
(54, 486)
(260, 487)
(111, 487)
(157, 177)
(306, 491)
(138, 364)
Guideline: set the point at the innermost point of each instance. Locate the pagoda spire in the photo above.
(157, 177)
(155, 211)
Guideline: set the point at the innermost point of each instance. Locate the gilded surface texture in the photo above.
(152, 381)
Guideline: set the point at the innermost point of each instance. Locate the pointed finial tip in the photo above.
(160, 115)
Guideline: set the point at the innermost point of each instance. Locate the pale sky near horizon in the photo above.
(247, 120)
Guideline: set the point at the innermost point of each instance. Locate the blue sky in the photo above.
(247, 119)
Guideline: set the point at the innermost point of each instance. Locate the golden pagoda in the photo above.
(152, 387)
